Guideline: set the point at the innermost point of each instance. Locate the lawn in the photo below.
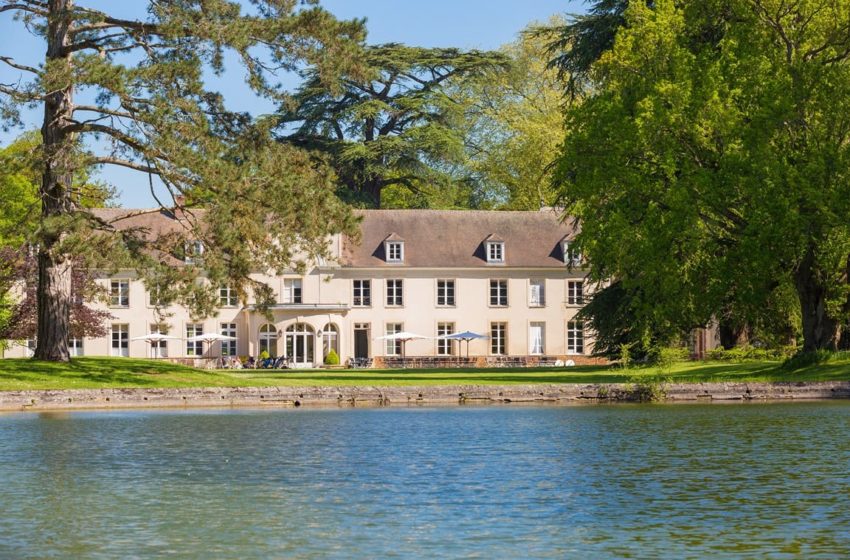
(87, 373)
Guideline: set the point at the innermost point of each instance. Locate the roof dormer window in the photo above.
(495, 247)
(193, 252)
(572, 256)
(394, 248)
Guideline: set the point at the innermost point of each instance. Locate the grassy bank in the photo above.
(87, 373)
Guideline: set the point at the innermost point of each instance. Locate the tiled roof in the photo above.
(432, 238)
(455, 238)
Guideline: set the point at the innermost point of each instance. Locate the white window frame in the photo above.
(293, 290)
(228, 347)
(159, 348)
(395, 292)
(120, 344)
(227, 296)
(571, 256)
(537, 345)
(194, 252)
(537, 292)
(500, 285)
(445, 347)
(496, 252)
(119, 292)
(394, 251)
(361, 295)
(393, 347)
(575, 338)
(194, 349)
(499, 338)
(575, 292)
(76, 347)
(446, 292)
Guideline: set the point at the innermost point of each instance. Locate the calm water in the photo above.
(603, 482)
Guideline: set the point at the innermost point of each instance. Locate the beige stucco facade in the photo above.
(538, 318)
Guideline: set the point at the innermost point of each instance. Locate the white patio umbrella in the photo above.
(466, 336)
(402, 336)
(210, 338)
(154, 338)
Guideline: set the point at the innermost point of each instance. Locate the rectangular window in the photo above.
(395, 293)
(537, 293)
(228, 347)
(159, 348)
(227, 297)
(75, 347)
(394, 346)
(120, 340)
(194, 348)
(575, 337)
(292, 290)
(119, 293)
(575, 292)
(446, 293)
(194, 252)
(498, 339)
(498, 293)
(537, 339)
(572, 256)
(496, 252)
(395, 251)
(362, 293)
(445, 347)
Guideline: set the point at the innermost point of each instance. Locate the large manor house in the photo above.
(511, 276)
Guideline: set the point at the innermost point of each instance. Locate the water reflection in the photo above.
(606, 482)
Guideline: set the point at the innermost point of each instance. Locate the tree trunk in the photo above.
(54, 267)
(372, 189)
(820, 331)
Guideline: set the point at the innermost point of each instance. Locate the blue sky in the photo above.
(468, 24)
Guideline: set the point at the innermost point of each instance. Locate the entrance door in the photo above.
(361, 340)
(299, 345)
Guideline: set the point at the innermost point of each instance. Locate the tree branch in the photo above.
(11, 62)
(103, 160)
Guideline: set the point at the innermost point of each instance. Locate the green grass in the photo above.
(88, 373)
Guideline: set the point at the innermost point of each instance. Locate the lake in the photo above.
(606, 481)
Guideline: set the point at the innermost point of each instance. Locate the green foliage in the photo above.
(257, 204)
(750, 353)
(264, 355)
(332, 359)
(664, 357)
(392, 125)
(515, 121)
(707, 165)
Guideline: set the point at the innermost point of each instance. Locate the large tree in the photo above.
(20, 173)
(138, 86)
(515, 116)
(395, 125)
(710, 165)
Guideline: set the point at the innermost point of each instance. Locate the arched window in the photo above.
(330, 340)
(268, 339)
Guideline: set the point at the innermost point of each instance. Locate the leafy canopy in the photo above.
(397, 125)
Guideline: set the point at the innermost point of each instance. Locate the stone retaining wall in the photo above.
(412, 396)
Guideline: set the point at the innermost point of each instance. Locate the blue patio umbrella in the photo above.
(466, 336)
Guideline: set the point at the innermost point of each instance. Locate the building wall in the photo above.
(331, 291)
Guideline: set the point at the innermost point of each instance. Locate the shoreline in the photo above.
(457, 395)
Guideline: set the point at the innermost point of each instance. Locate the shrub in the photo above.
(264, 355)
(746, 353)
(332, 359)
(805, 359)
(665, 357)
